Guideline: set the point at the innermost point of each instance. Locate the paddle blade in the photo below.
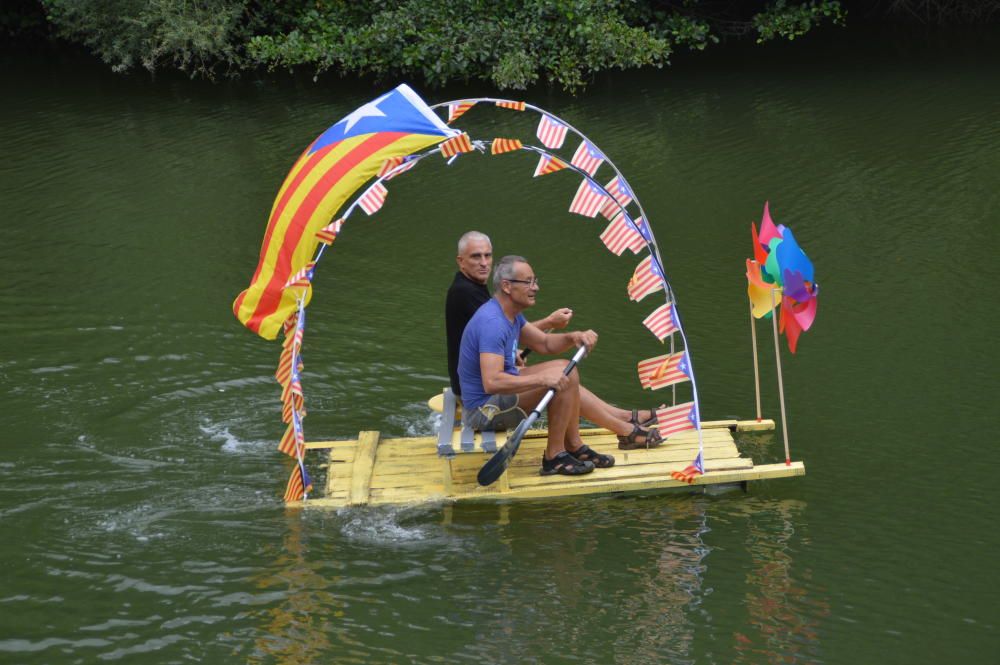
(497, 464)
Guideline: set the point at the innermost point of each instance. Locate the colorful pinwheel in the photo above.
(780, 265)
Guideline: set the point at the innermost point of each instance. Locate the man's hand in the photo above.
(558, 319)
(553, 377)
(587, 338)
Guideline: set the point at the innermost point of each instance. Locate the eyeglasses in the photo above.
(530, 282)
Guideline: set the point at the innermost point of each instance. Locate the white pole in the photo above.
(781, 387)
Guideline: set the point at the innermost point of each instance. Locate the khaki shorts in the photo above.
(500, 412)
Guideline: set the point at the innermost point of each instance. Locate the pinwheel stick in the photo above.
(756, 369)
(781, 386)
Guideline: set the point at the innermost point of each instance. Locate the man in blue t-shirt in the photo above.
(496, 394)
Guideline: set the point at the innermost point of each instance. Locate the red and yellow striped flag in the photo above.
(513, 106)
(456, 111)
(456, 145)
(548, 164)
(501, 146)
(324, 177)
(299, 484)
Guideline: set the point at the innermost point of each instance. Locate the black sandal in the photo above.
(565, 464)
(651, 439)
(587, 454)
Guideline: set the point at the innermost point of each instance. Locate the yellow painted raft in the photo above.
(375, 471)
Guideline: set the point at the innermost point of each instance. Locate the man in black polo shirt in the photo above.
(468, 292)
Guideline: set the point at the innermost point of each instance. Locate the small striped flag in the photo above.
(587, 158)
(456, 111)
(288, 407)
(676, 419)
(548, 164)
(514, 106)
(662, 322)
(404, 163)
(691, 471)
(456, 145)
(373, 199)
(500, 146)
(302, 278)
(299, 484)
(621, 192)
(329, 233)
(620, 235)
(284, 371)
(551, 132)
(647, 278)
(663, 371)
(287, 443)
(589, 199)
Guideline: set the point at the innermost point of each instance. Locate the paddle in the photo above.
(497, 464)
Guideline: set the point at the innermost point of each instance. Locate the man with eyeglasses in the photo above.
(468, 293)
(496, 394)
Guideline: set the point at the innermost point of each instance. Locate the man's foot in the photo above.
(587, 454)
(640, 438)
(650, 418)
(565, 464)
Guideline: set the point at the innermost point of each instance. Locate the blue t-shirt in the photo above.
(488, 331)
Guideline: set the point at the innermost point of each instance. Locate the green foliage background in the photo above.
(509, 43)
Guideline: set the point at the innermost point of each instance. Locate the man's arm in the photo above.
(553, 343)
(498, 382)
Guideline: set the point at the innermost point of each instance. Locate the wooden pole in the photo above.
(756, 370)
(781, 387)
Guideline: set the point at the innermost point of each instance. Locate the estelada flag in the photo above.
(325, 176)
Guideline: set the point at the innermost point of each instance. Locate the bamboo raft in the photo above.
(372, 470)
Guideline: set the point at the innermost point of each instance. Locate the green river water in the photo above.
(140, 510)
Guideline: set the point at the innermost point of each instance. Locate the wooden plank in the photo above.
(364, 464)
(754, 425)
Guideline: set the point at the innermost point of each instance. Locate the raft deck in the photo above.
(374, 471)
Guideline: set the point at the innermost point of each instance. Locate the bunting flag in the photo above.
(329, 233)
(551, 132)
(456, 145)
(500, 146)
(665, 370)
(404, 164)
(303, 278)
(287, 443)
(299, 484)
(373, 199)
(620, 191)
(647, 278)
(456, 111)
(513, 106)
(284, 371)
(621, 235)
(663, 321)
(548, 164)
(691, 471)
(323, 178)
(587, 158)
(589, 199)
(676, 419)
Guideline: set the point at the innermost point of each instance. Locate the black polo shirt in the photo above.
(464, 298)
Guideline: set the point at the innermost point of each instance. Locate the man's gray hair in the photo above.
(505, 270)
(468, 237)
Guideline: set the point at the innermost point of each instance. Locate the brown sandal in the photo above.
(650, 439)
(649, 422)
